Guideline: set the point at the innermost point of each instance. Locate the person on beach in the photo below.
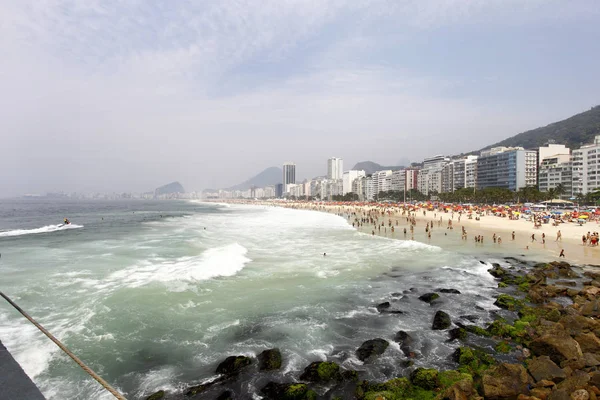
(562, 253)
(558, 236)
(543, 238)
(532, 237)
(499, 240)
(513, 235)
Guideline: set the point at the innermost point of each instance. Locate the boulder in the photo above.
(591, 360)
(543, 368)
(429, 297)
(566, 283)
(269, 360)
(383, 306)
(156, 396)
(321, 372)
(590, 291)
(425, 378)
(588, 342)
(406, 341)
(497, 271)
(233, 365)
(506, 381)
(558, 347)
(452, 291)
(288, 391)
(577, 380)
(441, 321)
(457, 333)
(559, 394)
(371, 348)
(580, 394)
(461, 390)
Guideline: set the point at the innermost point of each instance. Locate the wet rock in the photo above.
(543, 368)
(226, 395)
(406, 341)
(350, 376)
(371, 348)
(457, 333)
(558, 347)
(540, 393)
(471, 318)
(591, 360)
(452, 291)
(383, 306)
(321, 372)
(566, 283)
(595, 378)
(233, 365)
(506, 381)
(559, 394)
(269, 360)
(590, 309)
(156, 396)
(194, 390)
(288, 391)
(497, 271)
(425, 378)
(462, 389)
(429, 297)
(508, 302)
(441, 321)
(589, 343)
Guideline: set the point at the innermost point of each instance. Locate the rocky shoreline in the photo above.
(542, 344)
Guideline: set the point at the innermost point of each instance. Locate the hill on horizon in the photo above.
(369, 167)
(268, 177)
(575, 131)
(173, 187)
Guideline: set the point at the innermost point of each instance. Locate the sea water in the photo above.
(153, 295)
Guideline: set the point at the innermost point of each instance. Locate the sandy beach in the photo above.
(546, 248)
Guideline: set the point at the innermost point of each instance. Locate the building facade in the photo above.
(348, 179)
(554, 171)
(289, 175)
(511, 168)
(586, 169)
(335, 168)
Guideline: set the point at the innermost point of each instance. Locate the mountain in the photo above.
(270, 176)
(173, 187)
(573, 132)
(369, 167)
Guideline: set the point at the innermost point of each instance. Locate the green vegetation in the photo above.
(473, 361)
(503, 347)
(425, 378)
(328, 371)
(508, 302)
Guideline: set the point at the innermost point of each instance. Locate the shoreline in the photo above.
(451, 239)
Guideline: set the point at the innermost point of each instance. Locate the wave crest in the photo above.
(43, 229)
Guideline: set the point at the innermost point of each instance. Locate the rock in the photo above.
(578, 380)
(559, 394)
(194, 390)
(457, 333)
(497, 271)
(566, 283)
(350, 376)
(461, 390)
(405, 341)
(589, 343)
(573, 292)
(233, 365)
(558, 347)
(226, 395)
(543, 368)
(591, 360)
(453, 291)
(441, 321)
(383, 306)
(470, 318)
(505, 381)
(429, 297)
(371, 348)
(508, 302)
(269, 360)
(156, 396)
(288, 391)
(590, 291)
(580, 394)
(595, 378)
(321, 372)
(540, 393)
(425, 378)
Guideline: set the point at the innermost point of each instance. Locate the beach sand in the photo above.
(451, 239)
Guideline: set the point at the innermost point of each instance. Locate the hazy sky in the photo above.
(128, 95)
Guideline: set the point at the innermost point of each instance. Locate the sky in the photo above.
(117, 95)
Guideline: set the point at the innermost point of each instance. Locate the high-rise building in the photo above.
(289, 175)
(552, 149)
(348, 179)
(507, 167)
(335, 168)
(556, 170)
(586, 168)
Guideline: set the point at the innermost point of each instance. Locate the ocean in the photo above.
(153, 295)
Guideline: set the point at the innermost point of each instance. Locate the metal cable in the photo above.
(87, 369)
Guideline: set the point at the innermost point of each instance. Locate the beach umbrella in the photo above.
(584, 216)
(556, 212)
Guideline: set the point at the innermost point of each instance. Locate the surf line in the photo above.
(64, 348)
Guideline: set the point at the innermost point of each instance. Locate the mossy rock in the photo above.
(156, 396)
(321, 372)
(288, 391)
(502, 285)
(226, 395)
(503, 347)
(449, 378)
(477, 330)
(441, 320)
(350, 376)
(425, 378)
(501, 329)
(233, 365)
(429, 297)
(395, 389)
(269, 360)
(508, 302)
(457, 333)
(472, 361)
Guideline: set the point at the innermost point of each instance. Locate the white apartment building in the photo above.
(586, 168)
(465, 173)
(335, 168)
(552, 149)
(348, 179)
(370, 188)
(556, 170)
(380, 182)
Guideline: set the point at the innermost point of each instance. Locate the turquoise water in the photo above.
(153, 295)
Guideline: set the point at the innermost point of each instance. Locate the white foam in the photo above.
(219, 261)
(43, 229)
